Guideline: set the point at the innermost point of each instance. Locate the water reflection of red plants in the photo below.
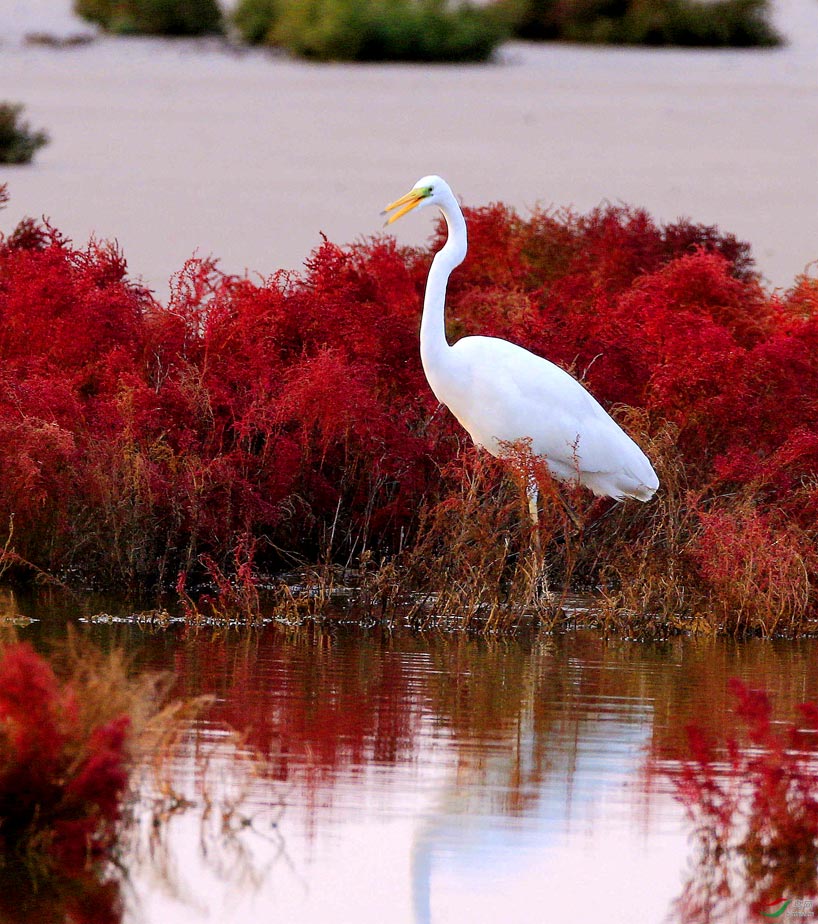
(311, 707)
(753, 804)
(295, 409)
(319, 706)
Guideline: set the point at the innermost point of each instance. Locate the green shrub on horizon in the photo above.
(153, 17)
(376, 30)
(255, 20)
(691, 23)
(18, 143)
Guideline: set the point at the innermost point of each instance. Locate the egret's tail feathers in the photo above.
(643, 492)
(646, 484)
(622, 485)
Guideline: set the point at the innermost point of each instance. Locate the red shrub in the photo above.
(758, 568)
(61, 783)
(753, 802)
(138, 436)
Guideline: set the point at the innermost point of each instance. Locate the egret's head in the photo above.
(429, 190)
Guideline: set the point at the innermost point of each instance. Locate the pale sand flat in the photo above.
(176, 147)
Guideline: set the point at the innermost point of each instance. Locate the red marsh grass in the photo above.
(290, 418)
(70, 728)
(751, 800)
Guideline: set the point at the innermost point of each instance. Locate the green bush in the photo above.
(255, 20)
(711, 23)
(376, 30)
(18, 143)
(153, 17)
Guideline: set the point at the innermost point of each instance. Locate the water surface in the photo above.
(352, 776)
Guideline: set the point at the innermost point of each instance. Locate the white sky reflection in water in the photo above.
(439, 834)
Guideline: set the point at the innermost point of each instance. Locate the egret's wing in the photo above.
(524, 395)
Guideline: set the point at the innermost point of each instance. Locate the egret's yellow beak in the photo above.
(405, 204)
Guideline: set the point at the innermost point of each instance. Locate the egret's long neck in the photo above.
(433, 344)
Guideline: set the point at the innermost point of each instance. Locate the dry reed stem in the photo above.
(11, 559)
(648, 584)
(686, 561)
(477, 561)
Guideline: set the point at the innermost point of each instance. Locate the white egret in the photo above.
(503, 394)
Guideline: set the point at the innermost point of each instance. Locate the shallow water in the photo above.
(353, 776)
(173, 148)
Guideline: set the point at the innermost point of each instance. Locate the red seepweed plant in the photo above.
(62, 778)
(753, 804)
(140, 440)
(234, 597)
(67, 738)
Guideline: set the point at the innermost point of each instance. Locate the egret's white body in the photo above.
(502, 393)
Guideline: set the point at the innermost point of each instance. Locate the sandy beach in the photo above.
(176, 147)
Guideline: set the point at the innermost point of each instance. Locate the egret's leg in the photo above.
(540, 576)
(533, 493)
